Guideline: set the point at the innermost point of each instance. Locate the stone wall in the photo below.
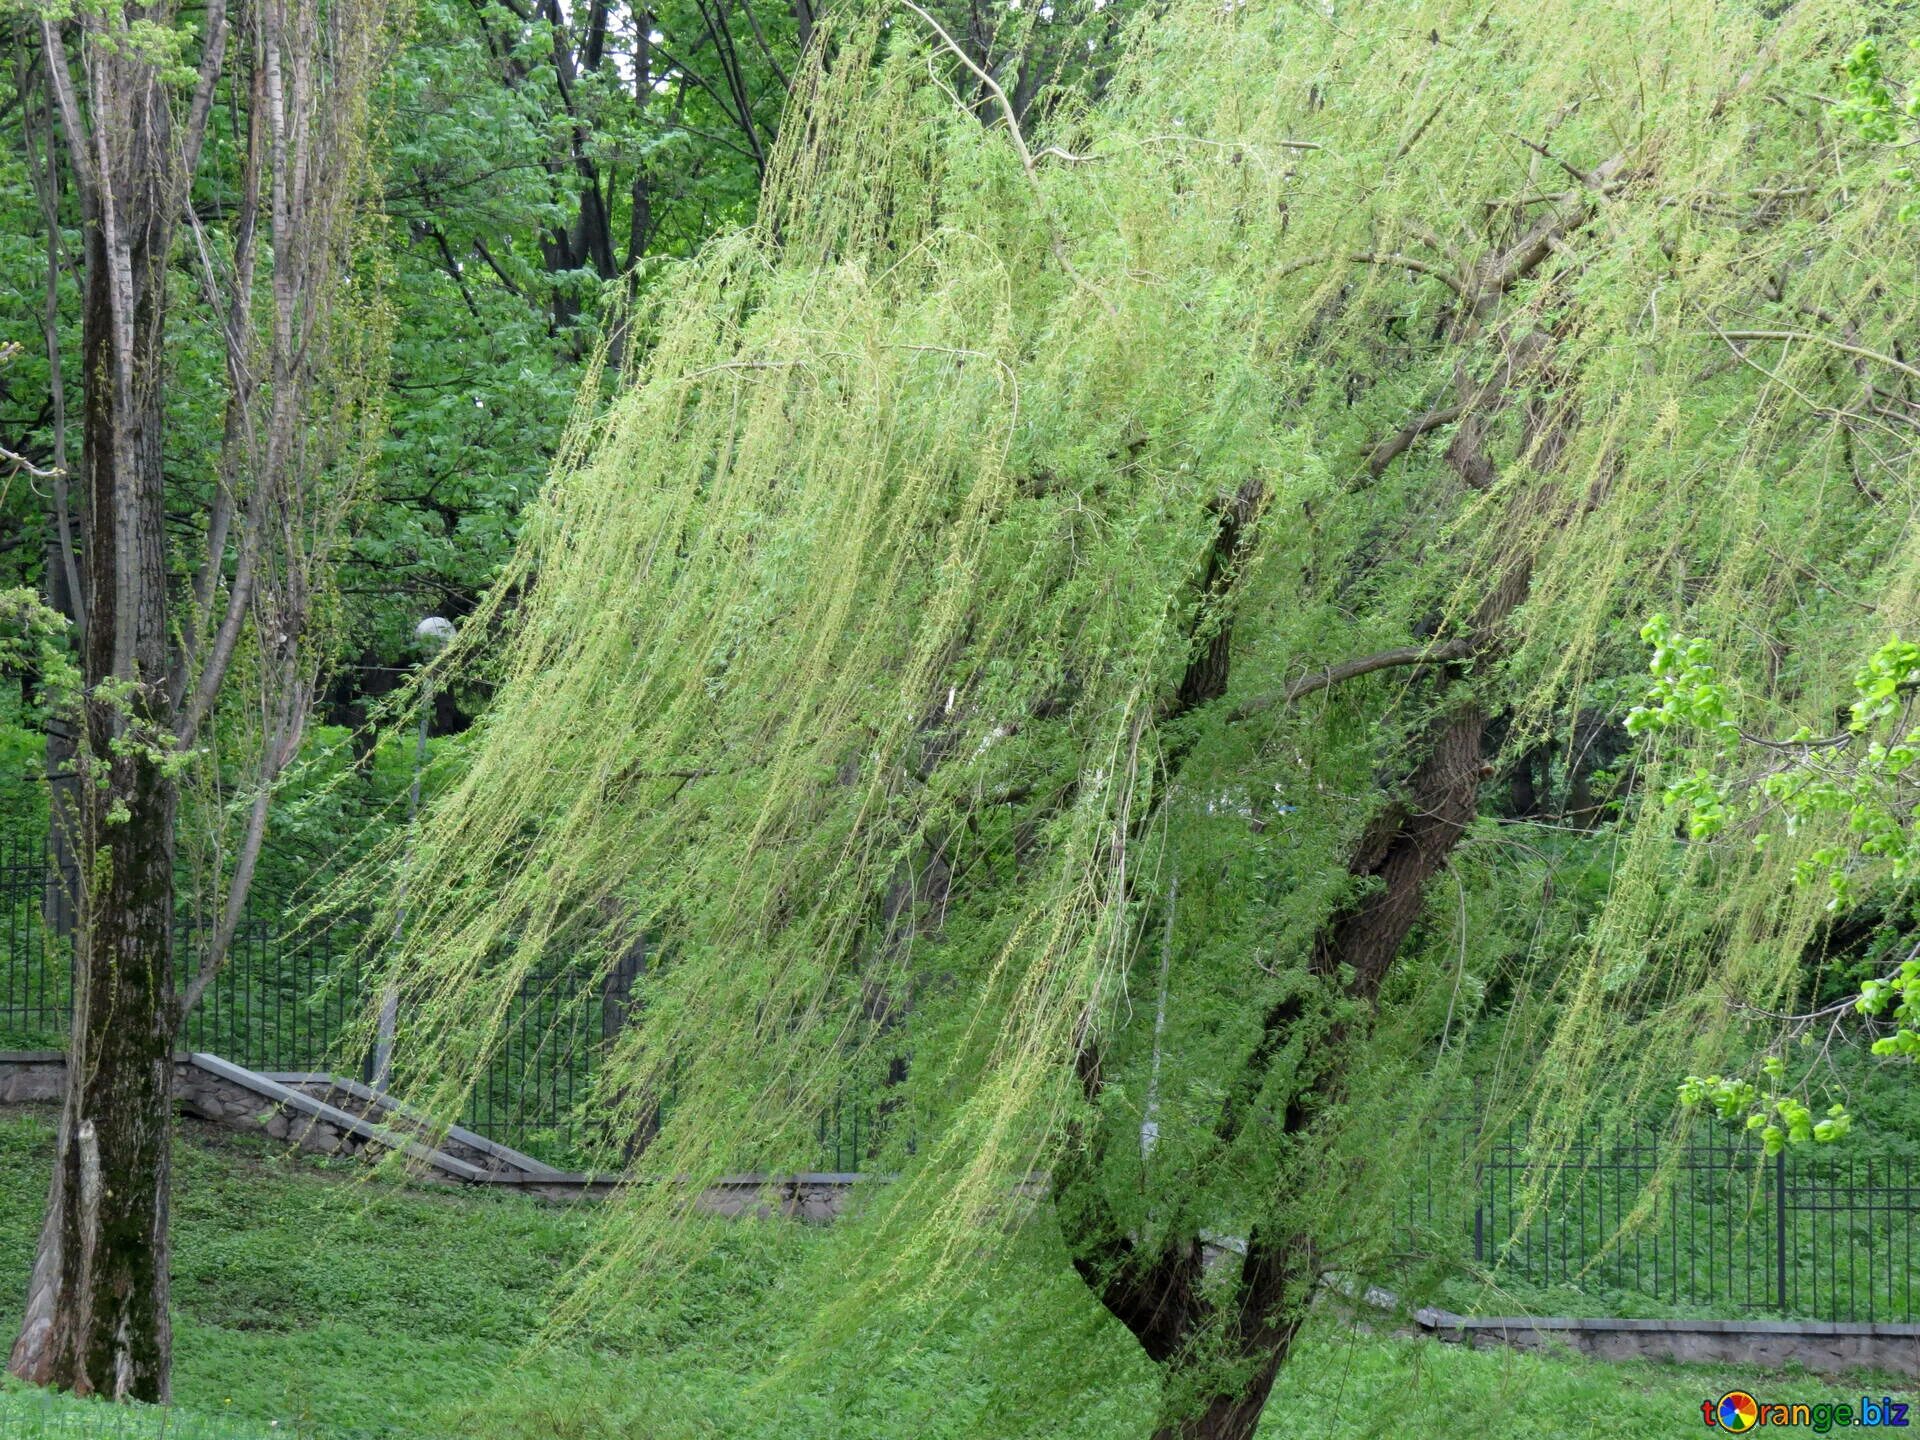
(40, 1076)
(359, 1103)
(223, 1102)
(1823, 1347)
(328, 1115)
(31, 1076)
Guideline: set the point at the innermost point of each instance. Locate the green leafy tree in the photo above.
(1037, 629)
(179, 572)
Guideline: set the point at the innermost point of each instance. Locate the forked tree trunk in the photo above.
(96, 1317)
(1215, 1384)
(1219, 1393)
(1220, 1346)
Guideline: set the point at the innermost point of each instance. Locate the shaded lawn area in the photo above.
(309, 1304)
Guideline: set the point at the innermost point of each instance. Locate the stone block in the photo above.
(819, 1206)
(320, 1138)
(28, 1084)
(205, 1104)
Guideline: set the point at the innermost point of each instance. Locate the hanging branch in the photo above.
(1054, 240)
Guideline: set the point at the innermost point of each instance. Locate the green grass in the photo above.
(41, 1416)
(309, 1305)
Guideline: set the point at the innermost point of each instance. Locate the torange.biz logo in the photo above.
(1739, 1412)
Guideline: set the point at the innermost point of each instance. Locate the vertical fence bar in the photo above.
(1780, 1228)
(1480, 1215)
(1852, 1300)
(1873, 1278)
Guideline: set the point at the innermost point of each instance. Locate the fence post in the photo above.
(1780, 1228)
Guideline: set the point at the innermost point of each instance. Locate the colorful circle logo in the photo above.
(1738, 1411)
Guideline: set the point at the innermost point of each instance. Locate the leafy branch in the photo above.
(1870, 106)
(1870, 790)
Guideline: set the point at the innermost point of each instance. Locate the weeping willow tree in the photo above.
(1040, 626)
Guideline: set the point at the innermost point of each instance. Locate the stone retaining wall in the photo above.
(363, 1104)
(41, 1076)
(326, 1115)
(32, 1075)
(1824, 1347)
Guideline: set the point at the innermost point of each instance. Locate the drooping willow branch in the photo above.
(1054, 241)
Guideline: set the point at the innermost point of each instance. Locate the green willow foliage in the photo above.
(841, 659)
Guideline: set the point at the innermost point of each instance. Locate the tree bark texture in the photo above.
(96, 1316)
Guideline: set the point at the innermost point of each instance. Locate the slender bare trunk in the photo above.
(62, 563)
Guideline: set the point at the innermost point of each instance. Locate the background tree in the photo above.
(165, 624)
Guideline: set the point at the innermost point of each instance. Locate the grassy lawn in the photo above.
(307, 1304)
(51, 1417)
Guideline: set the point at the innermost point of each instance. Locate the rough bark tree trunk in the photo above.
(96, 1317)
(1220, 1345)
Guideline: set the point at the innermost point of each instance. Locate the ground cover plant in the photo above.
(313, 1302)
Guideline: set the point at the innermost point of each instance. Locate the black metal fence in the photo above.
(532, 1094)
(290, 997)
(1710, 1224)
(36, 981)
(282, 1001)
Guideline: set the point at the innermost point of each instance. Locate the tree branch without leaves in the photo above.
(1441, 654)
(20, 462)
(1860, 350)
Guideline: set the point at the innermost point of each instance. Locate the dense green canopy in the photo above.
(937, 641)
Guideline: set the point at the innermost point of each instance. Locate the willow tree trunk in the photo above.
(96, 1318)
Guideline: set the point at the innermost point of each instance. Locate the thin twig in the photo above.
(20, 462)
(992, 86)
(1388, 259)
(1818, 339)
(1020, 146)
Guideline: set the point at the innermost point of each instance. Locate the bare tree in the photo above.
(158, 664)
